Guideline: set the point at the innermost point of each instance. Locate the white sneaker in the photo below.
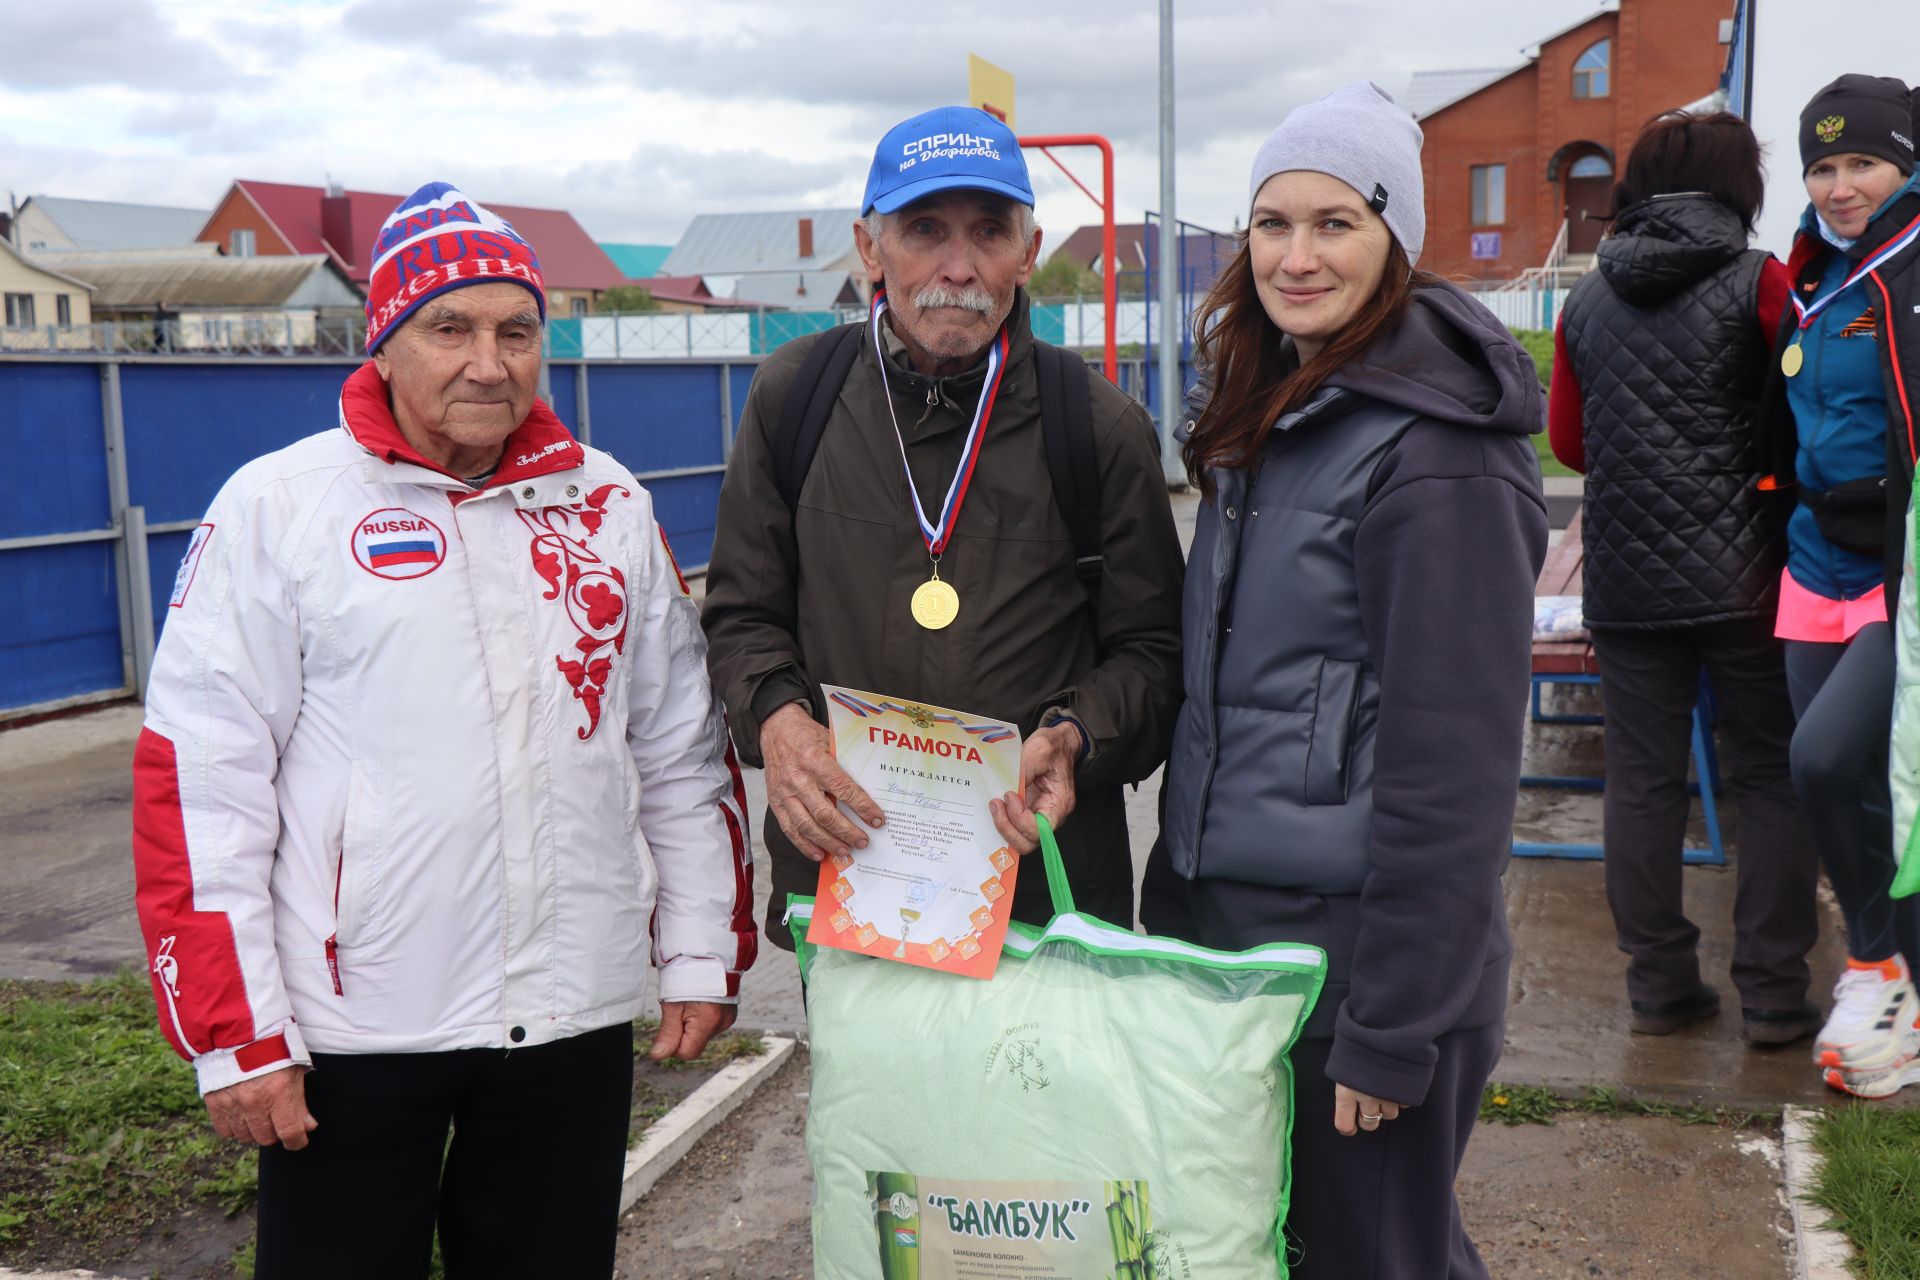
(1880, 1082)
(1871, 1028)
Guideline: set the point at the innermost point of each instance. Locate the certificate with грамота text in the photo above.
(934, 886)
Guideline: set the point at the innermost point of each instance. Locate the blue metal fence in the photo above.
(120, 456)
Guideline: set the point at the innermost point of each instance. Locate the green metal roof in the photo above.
(637, 261)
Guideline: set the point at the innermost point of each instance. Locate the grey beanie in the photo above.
(1358, 135)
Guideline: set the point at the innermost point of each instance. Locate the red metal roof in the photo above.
(569, 258)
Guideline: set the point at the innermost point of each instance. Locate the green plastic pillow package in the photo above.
(1107, 1107)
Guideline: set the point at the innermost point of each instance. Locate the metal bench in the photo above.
(1574, 662)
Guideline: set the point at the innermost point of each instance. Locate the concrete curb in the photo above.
(674, 1134)
(1822, 1252)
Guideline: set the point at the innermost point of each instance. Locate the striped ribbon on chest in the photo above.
(939, 533)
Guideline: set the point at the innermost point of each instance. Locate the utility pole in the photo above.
(1171, 392)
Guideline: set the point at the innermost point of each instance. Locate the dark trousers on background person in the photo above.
(1649, 681)
(1843, 697)
(529, 1186)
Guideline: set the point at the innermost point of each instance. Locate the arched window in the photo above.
(1591, 167)
(1590, 70)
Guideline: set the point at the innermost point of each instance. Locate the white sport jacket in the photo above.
(425, 768)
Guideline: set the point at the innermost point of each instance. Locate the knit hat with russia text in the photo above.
(435, 240)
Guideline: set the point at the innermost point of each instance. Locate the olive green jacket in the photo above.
(821, 594)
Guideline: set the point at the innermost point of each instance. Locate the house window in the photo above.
(19, 311)
(1489, 195)
(579, 306)
(63, 311)
(1590, 70)
(240, 242)
(1591, 167)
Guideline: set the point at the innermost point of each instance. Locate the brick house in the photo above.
(268, 218)
(1511, 157)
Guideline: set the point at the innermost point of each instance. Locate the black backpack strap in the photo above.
(1066, 422)
(809, 402)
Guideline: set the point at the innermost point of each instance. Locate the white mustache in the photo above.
(938, 295)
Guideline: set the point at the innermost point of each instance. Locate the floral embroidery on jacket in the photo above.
(594, 593)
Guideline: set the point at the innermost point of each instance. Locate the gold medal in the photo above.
(1792, 358)
(935, 604)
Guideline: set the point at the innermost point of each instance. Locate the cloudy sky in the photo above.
(638, 115)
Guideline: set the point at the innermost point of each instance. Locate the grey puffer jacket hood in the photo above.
(1452, 361)
(1669, 244)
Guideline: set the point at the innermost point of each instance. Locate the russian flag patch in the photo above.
(396, 543)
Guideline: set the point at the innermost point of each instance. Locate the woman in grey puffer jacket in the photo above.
(1357, 635)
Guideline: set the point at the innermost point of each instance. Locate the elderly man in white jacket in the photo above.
(430, 764)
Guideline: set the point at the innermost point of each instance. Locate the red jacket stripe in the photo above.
(745, 932)
(191, 957)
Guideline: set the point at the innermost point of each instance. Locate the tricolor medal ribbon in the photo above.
(935, 603)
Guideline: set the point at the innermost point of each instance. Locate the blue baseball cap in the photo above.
(945, 149)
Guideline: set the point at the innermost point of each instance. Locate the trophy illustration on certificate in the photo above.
(934, 886)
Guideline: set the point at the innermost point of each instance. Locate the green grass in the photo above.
(102, 1131)
(1539, 345)
(1529, 1104)
(1870, 1183)
(101, 1127)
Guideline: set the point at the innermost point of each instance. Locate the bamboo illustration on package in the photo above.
(896, 1215)
(1130, 1227)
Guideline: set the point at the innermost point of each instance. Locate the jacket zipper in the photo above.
(333, 939)
(1891, 349)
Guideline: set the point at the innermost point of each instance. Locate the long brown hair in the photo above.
(1238, 346)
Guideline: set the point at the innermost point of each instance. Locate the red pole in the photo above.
(1108, 258)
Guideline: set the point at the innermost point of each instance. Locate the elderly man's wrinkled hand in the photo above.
(804, 782)
(1047, 762)
(686, 1026)
(265, 1110)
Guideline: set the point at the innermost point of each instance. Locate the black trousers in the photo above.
(1843, 696)
(529, 1185)
(1381, 1205)
(1649, 681)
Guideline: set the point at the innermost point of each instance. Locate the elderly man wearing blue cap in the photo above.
(935, 505)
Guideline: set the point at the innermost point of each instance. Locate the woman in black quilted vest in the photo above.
(1660, 360)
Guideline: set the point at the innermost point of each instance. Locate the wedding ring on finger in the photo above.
(1371, 1121)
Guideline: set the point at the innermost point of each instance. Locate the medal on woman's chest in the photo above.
(935, 603)
(1792, 358)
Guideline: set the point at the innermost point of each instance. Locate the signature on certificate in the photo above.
(909, 798)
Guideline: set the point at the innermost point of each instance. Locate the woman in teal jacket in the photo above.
(1849, 359)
